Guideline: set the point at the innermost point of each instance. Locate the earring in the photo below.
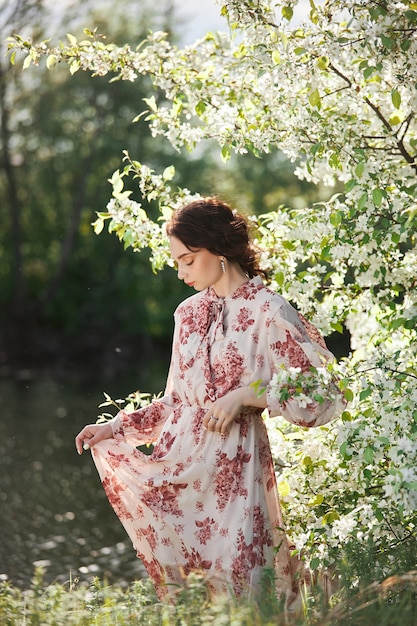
(223, 266)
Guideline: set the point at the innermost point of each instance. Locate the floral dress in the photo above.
(203, 501)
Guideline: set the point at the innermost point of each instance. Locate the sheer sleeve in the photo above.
(294, 344)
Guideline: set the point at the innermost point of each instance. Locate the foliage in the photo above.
(337, 94)
(98, 604)
(62, 290)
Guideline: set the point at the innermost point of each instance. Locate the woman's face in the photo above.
(198, 268)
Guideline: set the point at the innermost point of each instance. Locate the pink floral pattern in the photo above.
(202, 501)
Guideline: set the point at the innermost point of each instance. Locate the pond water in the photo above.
(53, 510)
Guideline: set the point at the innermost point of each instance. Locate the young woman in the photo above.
(206, 498)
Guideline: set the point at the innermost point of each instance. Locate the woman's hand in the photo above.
(92, 434)
(222, 413)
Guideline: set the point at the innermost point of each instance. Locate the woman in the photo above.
(206, 498)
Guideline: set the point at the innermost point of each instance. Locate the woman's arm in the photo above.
(292, 349)
(225, 409)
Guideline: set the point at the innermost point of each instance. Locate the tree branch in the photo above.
(399, 142)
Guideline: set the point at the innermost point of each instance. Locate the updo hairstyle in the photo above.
(212, 224)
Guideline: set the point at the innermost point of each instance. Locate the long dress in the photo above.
(203, 501)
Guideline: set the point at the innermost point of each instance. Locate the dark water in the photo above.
(53, 511)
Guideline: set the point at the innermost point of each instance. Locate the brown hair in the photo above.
(212, 224)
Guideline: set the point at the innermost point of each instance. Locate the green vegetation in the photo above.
(394, 601)
(64, 291)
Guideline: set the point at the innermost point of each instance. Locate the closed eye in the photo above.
(175, 264)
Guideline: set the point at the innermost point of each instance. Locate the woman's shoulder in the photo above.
(192, 302)
(255, 290)
(284, 314)
(270, 304)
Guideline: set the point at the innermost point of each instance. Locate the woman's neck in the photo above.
(232, 279)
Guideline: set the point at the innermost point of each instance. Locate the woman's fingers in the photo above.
(92, 434)
(216, 420)
(80, 438)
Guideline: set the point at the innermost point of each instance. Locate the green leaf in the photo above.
(276, 57)
(137, 118)
(350, 185)
(397, 323)
(365, 393)
(241, 51)
(343, 383)
(326, 253)
(225, 153)
(314, 563)
(98, 226)
(396, 98)
(117, 186)
(387, 42)
(411, 16)
(200, 107)
(317, 500)
(323, 63)
(348, 395)
(27, 62)
(367, 473)
(72, 39)
(330, 517)
(385, 440)
(177, 106)
(288, 245)
(344, 452)
(51, 61)
(368, 455)
(368, 71)
(151, 102)
(336, 218)
(314, 98)
(273, 35)
(362, 201)
(334, 161)
(279, 277)
(287, 12)
(74, 67)
(359, 169)
(394, 120)
(168, 173)
(284, 488)
(377, 195)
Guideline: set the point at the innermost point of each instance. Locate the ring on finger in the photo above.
(214, 418)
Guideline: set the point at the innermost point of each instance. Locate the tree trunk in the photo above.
(13, 202)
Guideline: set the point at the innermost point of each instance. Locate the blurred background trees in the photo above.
(70, 300)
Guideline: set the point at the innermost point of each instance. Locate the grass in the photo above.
(388, 603)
